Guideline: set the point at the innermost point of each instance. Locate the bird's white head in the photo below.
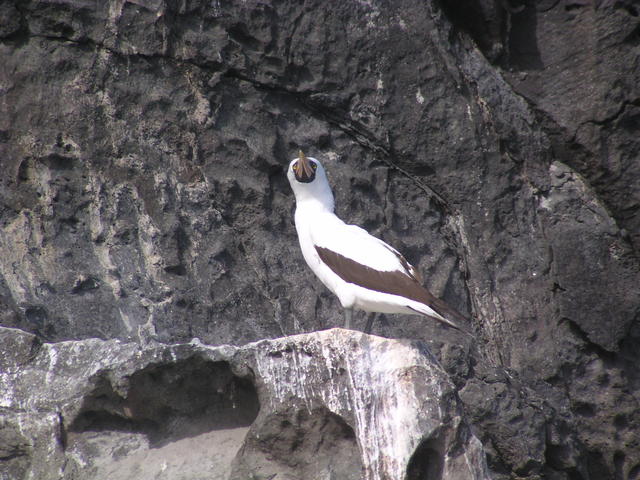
(309, 181)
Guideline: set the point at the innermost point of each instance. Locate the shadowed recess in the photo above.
(427, 461)
(172, 401)
(311, 445)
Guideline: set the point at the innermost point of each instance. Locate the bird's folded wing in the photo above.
(357, 245)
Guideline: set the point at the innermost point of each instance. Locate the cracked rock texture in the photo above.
(307, 406)
(143, 199)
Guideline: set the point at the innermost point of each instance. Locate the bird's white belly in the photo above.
(372, 301)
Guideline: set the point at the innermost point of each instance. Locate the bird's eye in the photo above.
(314, 166)
(295, 167)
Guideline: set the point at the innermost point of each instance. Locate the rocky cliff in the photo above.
(143, 203)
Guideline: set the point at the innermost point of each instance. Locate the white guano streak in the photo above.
(377, 393)
(384, 415)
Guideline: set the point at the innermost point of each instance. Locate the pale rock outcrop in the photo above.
(334, 404)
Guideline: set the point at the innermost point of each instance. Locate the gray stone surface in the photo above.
(143, 197)
(332, 404)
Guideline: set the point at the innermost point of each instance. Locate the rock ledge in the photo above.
(330, 404)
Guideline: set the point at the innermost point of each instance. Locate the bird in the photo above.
(364, 272)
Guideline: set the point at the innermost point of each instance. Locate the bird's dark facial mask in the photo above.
(304, 169)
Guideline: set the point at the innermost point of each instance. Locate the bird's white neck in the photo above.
(315, 204)
(314, 197)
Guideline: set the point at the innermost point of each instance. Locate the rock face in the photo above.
(332, 404)
(143, 199)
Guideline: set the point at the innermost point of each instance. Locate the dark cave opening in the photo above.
(427, 461)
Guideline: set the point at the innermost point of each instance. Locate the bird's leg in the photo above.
(371, 318)
(348, 314)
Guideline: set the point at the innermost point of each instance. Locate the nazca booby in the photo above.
(362, 271)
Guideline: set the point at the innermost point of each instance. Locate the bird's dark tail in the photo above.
(442, 312)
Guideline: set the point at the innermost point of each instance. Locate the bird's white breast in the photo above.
(309, 222)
